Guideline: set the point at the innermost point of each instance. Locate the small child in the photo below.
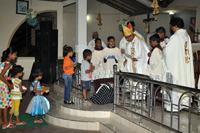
(154, 69)
(112, 56)
(39, 105)
(86, 69)
(97, 60)
(16, 93)
(68, 68)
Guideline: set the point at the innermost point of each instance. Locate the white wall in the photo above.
(109, 19)
(10, 20)
(189, 3)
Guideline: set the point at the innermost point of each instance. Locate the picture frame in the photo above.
(22, 6)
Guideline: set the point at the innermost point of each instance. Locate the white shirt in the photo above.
(85, 65)
(91, 45)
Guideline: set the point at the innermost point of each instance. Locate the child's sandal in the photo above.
(38, 121)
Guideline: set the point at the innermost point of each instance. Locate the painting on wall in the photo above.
(21, 7)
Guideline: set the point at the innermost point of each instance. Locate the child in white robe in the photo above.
(154, 69)
(112, 56)
(97, 60)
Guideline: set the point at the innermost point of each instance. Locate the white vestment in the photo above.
(178, 66)
(139, 50)
(122, 45)
(91, 45)
(137, 33)
(154, 69)
(108, 66)
(97, 61)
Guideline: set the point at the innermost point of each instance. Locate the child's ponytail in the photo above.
(8, 51)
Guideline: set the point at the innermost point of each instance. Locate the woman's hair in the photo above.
(66, 50)
(155, 37)
(15, 70)
(177, 22)
(8, 51)
(86, 53)
(37, 72)
(110, 37)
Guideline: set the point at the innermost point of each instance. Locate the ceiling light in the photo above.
(171, 13)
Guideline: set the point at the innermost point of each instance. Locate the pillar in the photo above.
(81, 29)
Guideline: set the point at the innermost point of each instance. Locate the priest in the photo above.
(91, 44)
(136, 52)
(178, 63)
(135, 55)
(123, 43)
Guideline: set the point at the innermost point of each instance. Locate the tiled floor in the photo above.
(41, 129)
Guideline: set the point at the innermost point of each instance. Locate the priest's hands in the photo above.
(125, 62)
(149, 54)
(122, 51)
(134, 59)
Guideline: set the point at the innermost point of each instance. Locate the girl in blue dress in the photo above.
(39, 105)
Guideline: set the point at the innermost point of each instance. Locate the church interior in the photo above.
(73, 23)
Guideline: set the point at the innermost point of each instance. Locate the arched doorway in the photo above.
(24, 37)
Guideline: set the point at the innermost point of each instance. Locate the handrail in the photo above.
(134, 75)
(144, 87)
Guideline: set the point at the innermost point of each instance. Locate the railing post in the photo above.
(115, 86)
(151, 100)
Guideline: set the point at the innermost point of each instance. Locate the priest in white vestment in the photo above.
(178, 63)
(123, 43)
(91, 44)
(136, 54)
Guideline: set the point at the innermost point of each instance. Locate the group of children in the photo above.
(97, 66)
(11, 92)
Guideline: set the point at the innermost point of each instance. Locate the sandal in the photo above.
(38, 121)
(9, 126)
(13, 122)
(21, 123)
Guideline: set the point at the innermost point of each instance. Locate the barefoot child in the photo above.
(39, 105)
(86, 69)
(16, 93)
(5, 101)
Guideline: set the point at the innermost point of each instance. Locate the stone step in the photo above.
(103, 124)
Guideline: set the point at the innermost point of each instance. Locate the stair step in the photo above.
(105, 125)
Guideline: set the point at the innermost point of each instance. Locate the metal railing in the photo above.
(76, 76)
(144, 87)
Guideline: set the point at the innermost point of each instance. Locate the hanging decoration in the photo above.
(155, 6)
(31, 17)
(99, 18)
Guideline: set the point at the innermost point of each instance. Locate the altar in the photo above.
(195, 47)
